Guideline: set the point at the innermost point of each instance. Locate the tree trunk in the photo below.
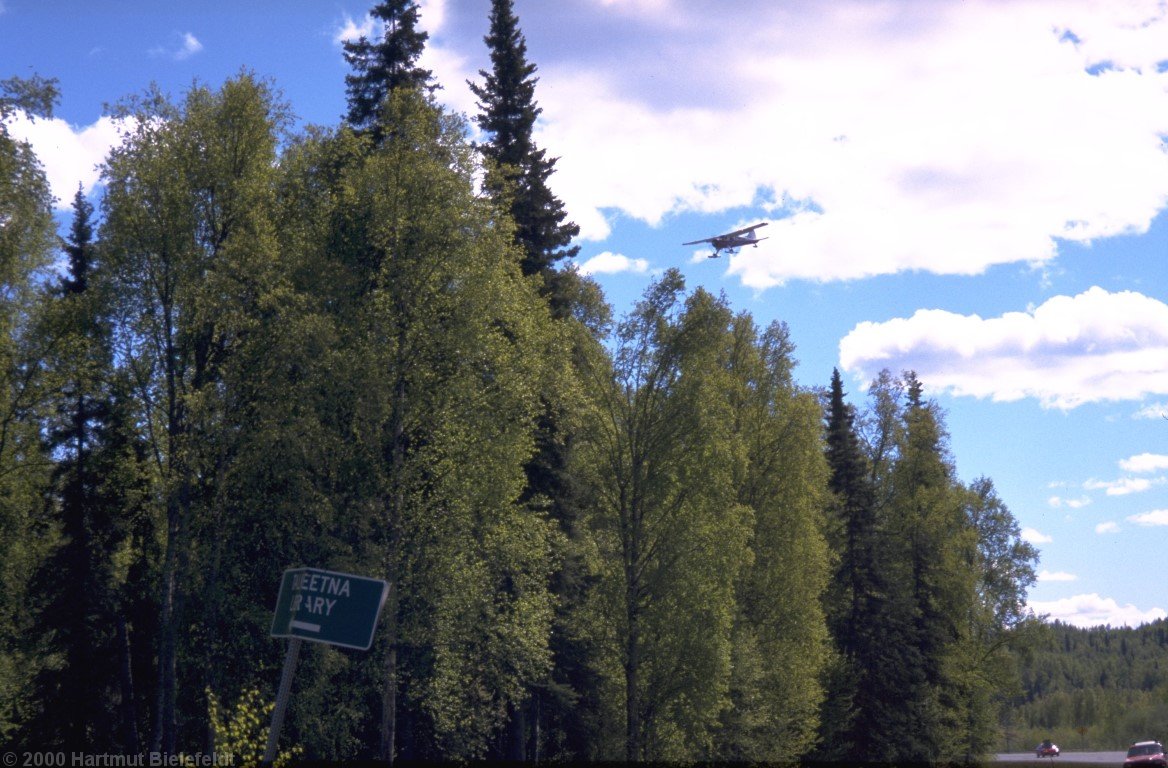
(393, 519)
(633, 746)
(162, 736)
(389, 692)
(129, 707)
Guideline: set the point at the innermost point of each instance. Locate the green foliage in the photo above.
(241, 732)
(781, 642)
(602, 541)
(189, 250)
(518, 171)
(928, 596)
(1110, 683)
(380, 67)
(27, 242)
(35, 96)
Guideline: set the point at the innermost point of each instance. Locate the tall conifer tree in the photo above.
(849, 482)
(381, 67)
(91, 587)
(75, 581)
(520, 170)
(518, 174)
(874, 667)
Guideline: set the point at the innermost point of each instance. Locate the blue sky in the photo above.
(972, 190)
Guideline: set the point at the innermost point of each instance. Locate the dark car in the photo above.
(1146, 753)
(1047, 749)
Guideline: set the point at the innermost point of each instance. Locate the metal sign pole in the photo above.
(322, 607)
(282, 699)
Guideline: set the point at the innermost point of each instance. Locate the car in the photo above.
(1046, 749)
(1146, 753)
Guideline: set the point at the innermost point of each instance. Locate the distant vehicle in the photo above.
(1146, 753)
(1046, 749)
(732, 241)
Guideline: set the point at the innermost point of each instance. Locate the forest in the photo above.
(1098, 688)
(362, 348)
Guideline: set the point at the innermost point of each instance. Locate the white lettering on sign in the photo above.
(322, 583)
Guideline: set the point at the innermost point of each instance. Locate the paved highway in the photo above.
(1099, 758)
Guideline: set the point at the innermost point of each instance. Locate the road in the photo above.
(1098, 758)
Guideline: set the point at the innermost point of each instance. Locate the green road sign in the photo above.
(329, 607)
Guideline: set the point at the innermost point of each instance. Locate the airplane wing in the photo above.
(735, 233)
(744, 230)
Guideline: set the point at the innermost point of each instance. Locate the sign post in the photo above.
(322, 607)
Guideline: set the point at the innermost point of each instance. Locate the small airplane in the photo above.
(732, 241)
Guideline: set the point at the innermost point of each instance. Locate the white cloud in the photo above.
(350, 31)
(190, 46)
(1091, 610)
(1058, 501)
(1108, 527)
(609, 263)
(1153, 411)
(70, 155)
(1145, 462)
(917, 149)
(452, 70)
(1123, 486)
(185, 46)
(1045, 575)
(432, 15)
(1069, 351)
(1034, 536)
(1155, 517)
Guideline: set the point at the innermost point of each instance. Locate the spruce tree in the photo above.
(855, 513)
(520, 170)
(517, 178)
(74, 580)
(381, 67)
(858, 609)
(934, 576)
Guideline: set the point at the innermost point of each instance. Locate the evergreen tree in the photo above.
(76, 583)
(856, 590)
(517, 178)
(519, 171)
(933, 580)
(857, 577)
(380, 67)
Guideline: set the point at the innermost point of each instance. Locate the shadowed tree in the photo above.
(517, 178)
(76, 581)
(384, 65)
(27, 243)
(188, 241)
(857, 594)
(519, 171)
